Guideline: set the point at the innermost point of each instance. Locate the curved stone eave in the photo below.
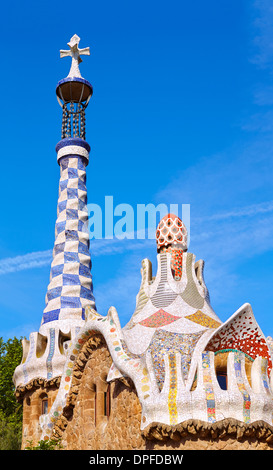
(35, 383)
(226, 428)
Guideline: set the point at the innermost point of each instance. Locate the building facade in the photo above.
(176, 376)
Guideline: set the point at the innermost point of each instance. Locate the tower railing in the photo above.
(73, 120)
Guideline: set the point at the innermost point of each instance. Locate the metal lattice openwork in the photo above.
(73, 121)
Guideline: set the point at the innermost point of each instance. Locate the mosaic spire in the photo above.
(70, 289)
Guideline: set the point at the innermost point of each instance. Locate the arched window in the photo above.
(222, 379)
(44, 403)
(102, 400)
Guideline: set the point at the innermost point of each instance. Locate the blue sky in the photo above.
(182, 113)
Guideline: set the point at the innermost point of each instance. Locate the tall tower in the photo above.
(70, 288)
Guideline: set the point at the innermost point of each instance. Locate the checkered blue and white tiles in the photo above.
(70, 289)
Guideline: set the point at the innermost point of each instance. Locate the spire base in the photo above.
(73, 146)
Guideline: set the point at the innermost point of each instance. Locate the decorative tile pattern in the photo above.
(207, 380)
(171, 230)
(72, 146)
(165, 342)
(70, 289)
(191, 294)
(127, 351)
(242, 387)
(177, 264)
(164, 294)
(172, 390)
(158, 319)
(242, 333)
(51, 352)
(142, 300)
(203, 319)
(264, 373)
(29, 357)
(232, 350)
(176, 261)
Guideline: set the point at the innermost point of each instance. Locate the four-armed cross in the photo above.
(75, 53)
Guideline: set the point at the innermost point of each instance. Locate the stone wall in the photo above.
(89, 427)
(34, 396)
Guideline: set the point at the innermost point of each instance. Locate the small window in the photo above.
(222, 380)
(44, 402)
(95, 403)
(45, 406)
(220, 364)
(107, 402)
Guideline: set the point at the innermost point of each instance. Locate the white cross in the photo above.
(75, 53)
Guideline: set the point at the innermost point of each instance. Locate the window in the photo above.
(101, 398)
(44, 401)
(222, 380)
(44, 406)
(63, 342)
(107, 402)
(95, 403)
(220, 363)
